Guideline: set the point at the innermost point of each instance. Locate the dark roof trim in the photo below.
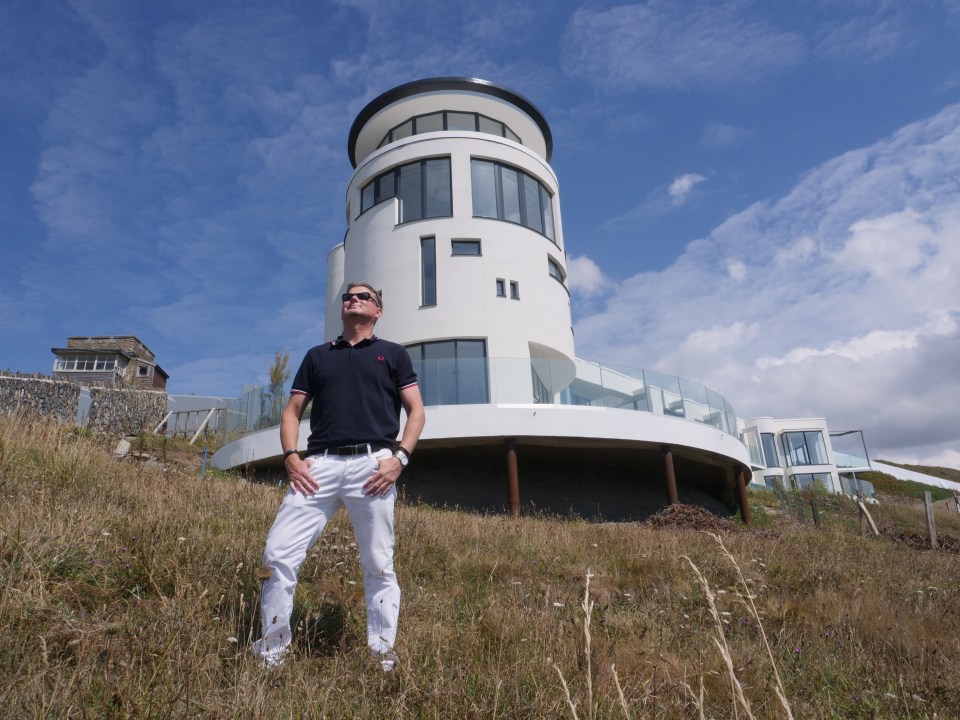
(87, 351)
(418, 87)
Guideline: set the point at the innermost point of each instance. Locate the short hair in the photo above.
(377, 298)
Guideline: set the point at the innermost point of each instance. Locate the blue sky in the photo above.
(763, 197)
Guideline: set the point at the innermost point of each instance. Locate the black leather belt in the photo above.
(358, 449)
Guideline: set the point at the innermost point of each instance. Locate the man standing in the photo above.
(357, 383)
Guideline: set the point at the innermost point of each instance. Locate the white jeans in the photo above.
(299, 524)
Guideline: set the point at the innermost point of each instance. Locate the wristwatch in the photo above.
(403, 456)
(288, 453)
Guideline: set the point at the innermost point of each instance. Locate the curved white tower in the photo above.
(454, 213)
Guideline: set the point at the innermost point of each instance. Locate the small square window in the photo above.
(143, 370)
(514, 290)
(501, 287)
(465, 247)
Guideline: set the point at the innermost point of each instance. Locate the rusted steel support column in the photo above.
(742, 495)
(671, 475)
(513, 477)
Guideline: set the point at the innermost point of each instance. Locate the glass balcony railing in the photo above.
(481, 381)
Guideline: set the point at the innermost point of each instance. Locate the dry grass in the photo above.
(131, 592)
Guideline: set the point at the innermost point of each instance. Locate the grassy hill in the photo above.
(131, 591)
(939, 472)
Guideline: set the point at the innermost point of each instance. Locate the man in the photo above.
(358, 383)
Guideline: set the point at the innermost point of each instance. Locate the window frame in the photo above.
(505, 130)
(424, 378)
(465, 242)
(514, 289)
(793, 458)
(546, 215)
(772, 446)
(98, 362)
(426, 269)
(501, 287)
(394, 174)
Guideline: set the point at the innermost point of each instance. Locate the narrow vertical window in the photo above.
(510, 186)
(436, 191)
(514, 290)
(428, 271)
(547, 213)
(531, 202)
(484, 185)
(411, 192)
(501, 287)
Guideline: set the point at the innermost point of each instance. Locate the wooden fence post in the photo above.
(816, 512)
(931, 522)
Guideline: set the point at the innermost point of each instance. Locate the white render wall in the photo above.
(387, 255)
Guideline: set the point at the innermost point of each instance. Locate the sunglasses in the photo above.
(365, 296)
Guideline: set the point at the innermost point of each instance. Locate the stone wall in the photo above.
(126, 412)
(111, 343)
(44, 397)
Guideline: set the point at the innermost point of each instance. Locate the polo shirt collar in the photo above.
(341, 343)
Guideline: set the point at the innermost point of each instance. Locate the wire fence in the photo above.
(921, 522)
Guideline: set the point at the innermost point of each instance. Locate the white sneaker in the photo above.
(388, 661)
(272, 659)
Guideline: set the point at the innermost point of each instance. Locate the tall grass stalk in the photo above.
(739, 699)
(750, 597)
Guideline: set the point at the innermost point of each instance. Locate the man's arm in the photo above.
(390, 467)
(297, 470)
(416, 417)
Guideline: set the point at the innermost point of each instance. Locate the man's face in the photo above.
(355, 307)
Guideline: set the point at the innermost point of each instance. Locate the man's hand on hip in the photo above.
(385, 478)
(299, 473)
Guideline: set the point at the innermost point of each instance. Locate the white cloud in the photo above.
(802, 250)
(681, 187)
(892, 245)
(852, 309)
(663, 44)
(737, 269)
(585, 277)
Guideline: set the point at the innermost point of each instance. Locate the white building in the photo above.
(798, 453)
(453, 211)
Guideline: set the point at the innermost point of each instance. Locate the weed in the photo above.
(129, 590)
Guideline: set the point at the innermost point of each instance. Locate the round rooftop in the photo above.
(441, 84)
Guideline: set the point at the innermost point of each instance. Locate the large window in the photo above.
(448, 120)
(422, 187)
(811, 480)
(804, 448)
(769, 450)
(451, 372)
(506, 193)
(85, 363)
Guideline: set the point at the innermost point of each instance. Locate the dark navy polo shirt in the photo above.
(355, 391)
